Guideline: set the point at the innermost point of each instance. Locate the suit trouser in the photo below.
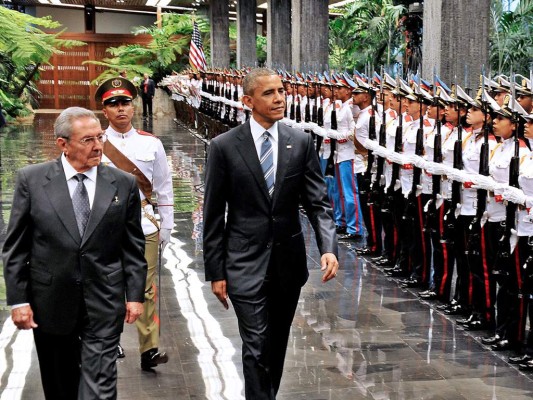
(333, 192)
(264, 325)
(148, 322)
(77, 369)
(421, 246)
(147, 105)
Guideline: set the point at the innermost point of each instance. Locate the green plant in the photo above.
(24, 47)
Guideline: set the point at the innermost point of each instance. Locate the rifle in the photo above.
(318, 115)
(419, 150)
(398, 145)
(370, 155)
(457, 164)
(503, 255)
(382, 139)
(330, 165)
(294, 94)
(437, 157)
(235, 98)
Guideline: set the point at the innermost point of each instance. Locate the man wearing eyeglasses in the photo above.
(73, 260)
(143, 155)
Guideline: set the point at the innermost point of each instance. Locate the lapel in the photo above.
(103, 196)
(246, 148)
(284, 158)
(56, 189)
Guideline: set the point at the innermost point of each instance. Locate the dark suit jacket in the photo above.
(257, 228)
(48, 265)
(150, 91)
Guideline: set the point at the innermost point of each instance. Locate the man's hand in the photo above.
(330, 265)
(219, 289)
(133, 311)
(23, 317)
(164, 238)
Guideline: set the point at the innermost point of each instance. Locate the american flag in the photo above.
(196, 53)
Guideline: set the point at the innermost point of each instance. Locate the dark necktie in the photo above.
(267, 162)
(80, 201)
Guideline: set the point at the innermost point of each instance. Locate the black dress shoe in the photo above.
(476, 325)
(501, 345)
(410, 283)
(385, 262)
(455, 310)
(363, 251)
(349, 237)
(491, 339)
(443, 307)
(467, 320)
(428, 295)
(528, 366)
(520, 359)
(120, 352)
(152, 358)
(340, 229)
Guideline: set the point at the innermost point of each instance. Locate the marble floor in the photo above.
(360, 336)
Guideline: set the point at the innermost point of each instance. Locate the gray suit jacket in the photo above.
(48, 264)
(259, 230)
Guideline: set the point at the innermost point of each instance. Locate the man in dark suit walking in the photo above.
(147, 94)
(260, 173)
(73, 260)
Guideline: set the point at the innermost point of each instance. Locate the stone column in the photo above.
(246, 33)
(456, 33)
(279, 34)
(219, 19)
(309, 34)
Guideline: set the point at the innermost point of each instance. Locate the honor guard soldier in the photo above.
(478, 144)
(524, 94)
(504, 169)
(143, 155)
(525, 249)
(363, 97)
(345, 159)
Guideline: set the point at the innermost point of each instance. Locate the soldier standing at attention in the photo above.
(143, 155)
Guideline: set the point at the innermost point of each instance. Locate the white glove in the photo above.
(371, 144)
(439, 202)
(458, 210)
(513, 240)
(459, 175)
(419, 162)
(483, 182)
(514, 195)
(418, 191)
(164, 238)
(397, 185)
(320, 131)
(436, 168)
(484, 218)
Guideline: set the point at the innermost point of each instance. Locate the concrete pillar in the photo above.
(456, 33)
(246, 33)
(219, 18)
(279, 33)
(309, 34)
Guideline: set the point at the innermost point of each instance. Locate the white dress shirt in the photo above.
(89, 182)
(257, 135)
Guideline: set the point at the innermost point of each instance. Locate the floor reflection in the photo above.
(358, 337)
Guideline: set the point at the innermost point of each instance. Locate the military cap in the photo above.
(503, 84)
(388, 82)
(528, 118)
(419, 94)
(460, 96)
(510, 108)
(115, 89)
(443, 98)
(483, 100)
(401, 90)
(523, 86)
(361, 86)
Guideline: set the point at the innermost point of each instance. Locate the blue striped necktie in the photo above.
(267, 162)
